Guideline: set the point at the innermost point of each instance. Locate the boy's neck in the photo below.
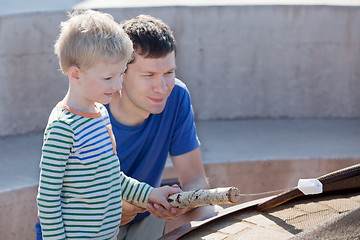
(77, 104)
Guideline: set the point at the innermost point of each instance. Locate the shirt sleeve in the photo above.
(58, 142)
(134, 191)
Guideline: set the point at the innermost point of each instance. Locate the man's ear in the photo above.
(74, 74)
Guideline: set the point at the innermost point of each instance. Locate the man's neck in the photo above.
(124, 113)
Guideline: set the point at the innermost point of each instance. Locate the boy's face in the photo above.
(100, 82)
(148, 83)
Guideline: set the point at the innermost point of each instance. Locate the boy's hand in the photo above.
(160, 207)
(159, 195)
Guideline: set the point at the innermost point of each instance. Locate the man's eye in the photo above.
(108, 78)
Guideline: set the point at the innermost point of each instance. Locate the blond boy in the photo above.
(81, 185)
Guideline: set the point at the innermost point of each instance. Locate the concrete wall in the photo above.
(238, 62)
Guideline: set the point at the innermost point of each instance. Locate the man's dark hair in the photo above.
(151, 37)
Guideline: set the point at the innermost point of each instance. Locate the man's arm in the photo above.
(129, 212)
(190, 170)
(191, 175)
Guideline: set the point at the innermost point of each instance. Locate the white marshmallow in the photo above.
(310, 186)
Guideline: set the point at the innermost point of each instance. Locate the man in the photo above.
(152, 117)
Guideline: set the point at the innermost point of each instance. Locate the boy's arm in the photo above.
(140, 193)
(134, 191)
(55, 152)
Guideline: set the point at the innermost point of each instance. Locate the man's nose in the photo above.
(161, 85)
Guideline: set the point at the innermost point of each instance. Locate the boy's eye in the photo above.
(108, 78)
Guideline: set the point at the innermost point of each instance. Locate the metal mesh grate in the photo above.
(282, 222)
(305, 214)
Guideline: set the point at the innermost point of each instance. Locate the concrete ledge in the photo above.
(269, 139)
(20, 159)
(221, 142)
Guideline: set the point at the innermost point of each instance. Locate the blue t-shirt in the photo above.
(143, 149)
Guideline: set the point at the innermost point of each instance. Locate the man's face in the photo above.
(148, 83)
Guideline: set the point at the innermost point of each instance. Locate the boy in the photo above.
(81, 185)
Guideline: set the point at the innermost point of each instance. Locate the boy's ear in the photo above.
(74, 74)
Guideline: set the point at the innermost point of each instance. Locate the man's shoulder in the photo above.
(178, 99)
(180, 84)
(180, 89)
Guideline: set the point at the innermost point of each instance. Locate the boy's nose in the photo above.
(117, 84)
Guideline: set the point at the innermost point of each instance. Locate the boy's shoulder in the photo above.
(103, 110)
(101, 107)
(60, 114)
(59, 121)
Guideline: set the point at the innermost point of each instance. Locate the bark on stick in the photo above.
(203, 197)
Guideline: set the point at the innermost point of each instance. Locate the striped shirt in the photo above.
(81, 185)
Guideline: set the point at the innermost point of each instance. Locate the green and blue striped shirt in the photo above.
(81, 185)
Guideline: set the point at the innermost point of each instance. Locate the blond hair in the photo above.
(89, 37)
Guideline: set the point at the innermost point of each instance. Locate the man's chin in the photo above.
(157, 110)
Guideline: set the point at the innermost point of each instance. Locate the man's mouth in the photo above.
(157, 100)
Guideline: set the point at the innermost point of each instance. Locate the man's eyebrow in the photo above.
(172, 69)
(149, 71)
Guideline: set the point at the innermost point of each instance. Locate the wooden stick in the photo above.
(203, 197)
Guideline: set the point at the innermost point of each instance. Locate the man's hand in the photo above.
(129, 212)
(161, 212)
